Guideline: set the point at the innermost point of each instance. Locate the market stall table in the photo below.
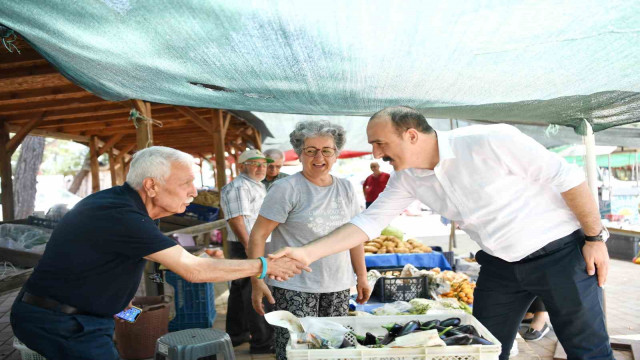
(424, 260)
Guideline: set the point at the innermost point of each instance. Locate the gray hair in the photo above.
(154, 162)
(313, 129)
(274, 154)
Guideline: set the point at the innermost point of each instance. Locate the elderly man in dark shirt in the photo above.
(93, 263)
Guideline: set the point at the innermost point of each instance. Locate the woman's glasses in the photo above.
(312, 151)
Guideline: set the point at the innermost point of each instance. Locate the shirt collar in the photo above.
(250, 179)
(133, 194)
(445, 152)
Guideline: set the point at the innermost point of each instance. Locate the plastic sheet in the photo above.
(533, 62)
(24, 237)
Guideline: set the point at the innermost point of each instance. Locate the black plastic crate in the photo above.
(45, 223)
(389, 289)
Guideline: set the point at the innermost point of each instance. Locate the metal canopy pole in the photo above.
(590, 161)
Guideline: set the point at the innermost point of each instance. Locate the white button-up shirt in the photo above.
(501, 186)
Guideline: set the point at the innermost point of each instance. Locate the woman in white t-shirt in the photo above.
(298, 209)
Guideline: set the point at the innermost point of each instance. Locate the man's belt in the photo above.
(49, 304)
(556, 245)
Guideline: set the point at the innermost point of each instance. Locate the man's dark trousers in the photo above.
(558, 276)
(56, 335)
(242, 319)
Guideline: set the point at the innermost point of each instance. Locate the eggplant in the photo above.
(345, 344)
(427, 325)
(370, 339)
(450, 322)
(409, 327)
(467, 329)
(392, 333)
(480, 340)
(447, 331)
(464, 339)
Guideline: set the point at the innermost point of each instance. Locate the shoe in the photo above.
(239, 341)
(268, 350)
(535, 335)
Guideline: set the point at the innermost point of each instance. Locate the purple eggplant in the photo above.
(464, 339)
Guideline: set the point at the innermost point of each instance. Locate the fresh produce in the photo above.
(207, 198)
(392, 231)
(452, 334)
(450, 322)
(387, 244)
(462, 290)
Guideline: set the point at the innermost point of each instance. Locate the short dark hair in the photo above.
(404, 118)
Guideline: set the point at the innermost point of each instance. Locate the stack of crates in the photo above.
(194, 303)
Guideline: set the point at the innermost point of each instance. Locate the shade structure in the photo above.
(529, 62)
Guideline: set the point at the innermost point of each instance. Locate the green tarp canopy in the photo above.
(523, 62)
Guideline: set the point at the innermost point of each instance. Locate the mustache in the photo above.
(386, 158)
(189, 199)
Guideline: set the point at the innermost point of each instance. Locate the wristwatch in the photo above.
(602, 236)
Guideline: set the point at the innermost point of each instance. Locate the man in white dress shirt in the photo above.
(531, 213)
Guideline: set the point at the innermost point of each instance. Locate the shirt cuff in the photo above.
(369, 226)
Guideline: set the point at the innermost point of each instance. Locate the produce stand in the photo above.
(373, 325)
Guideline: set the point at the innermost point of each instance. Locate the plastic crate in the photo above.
(373, 324)
(194, 303)
(25, 352)
(45, 223)
(388, 289)
(201, 212)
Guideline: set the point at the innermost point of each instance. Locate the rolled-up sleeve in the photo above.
(527, 158)
(389, 204)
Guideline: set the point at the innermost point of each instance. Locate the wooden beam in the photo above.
(112, 168)
(218, 143)
(258, 139)
(53, 134)
(16, 140)
(95, 167)
(144, 130)
(5, 175)
(124, 152)
(33, 82)
(109, 144)
(56, 104)
(195, 118)
(227, 120)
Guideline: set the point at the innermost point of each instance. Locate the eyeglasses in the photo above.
(312, 151)
(271, 166)
(256, 164)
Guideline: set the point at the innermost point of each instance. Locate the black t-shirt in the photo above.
(94, 258)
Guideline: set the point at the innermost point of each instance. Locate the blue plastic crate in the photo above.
(201, 212)
(195, 303)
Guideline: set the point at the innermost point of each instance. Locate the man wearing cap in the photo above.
(240, 201)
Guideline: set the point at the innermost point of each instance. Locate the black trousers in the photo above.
(242, 319)
(558, 276)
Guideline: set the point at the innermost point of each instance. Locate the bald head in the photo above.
(403, 118)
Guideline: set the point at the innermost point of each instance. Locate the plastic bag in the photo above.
(394, 308)
(329, 332)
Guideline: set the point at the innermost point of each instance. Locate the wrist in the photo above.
(602, 236)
